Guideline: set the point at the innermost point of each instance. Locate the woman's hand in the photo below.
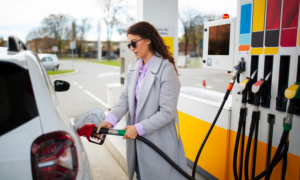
(104, 124)
(131, 132)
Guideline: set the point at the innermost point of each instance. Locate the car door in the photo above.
(19, 121)
(44, 62)
(50, 63)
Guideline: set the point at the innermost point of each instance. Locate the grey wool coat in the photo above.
(157, 112)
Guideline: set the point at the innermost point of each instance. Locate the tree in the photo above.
(190, 18)
(56, 26)
(82, 30)
(36, 33)
(2, 42)
(193, 24)
(113, 13)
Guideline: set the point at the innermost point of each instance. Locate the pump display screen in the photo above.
(218, 40)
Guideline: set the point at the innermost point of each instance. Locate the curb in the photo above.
(64, 74)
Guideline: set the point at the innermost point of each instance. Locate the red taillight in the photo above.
(53, 156)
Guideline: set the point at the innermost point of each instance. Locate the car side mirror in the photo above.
(60, 86)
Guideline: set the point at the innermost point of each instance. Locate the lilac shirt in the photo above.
(112, 119)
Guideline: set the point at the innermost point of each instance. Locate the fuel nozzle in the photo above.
(259, 87)
(293, 94)
(246, 85)
(239, 68)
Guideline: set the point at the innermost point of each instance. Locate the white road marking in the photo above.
(114, 85)
(107, 74)
(75, 83)
(199, 85)
(97, 99)
(80, 87)
(218, 80)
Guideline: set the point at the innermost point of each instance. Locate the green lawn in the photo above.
(76, 58)
(59, 72)
(110, 63)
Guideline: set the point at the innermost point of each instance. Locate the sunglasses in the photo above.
(133, 43)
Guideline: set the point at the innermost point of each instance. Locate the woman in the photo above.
(150, 94)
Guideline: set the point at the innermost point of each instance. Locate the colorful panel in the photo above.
(258, 15)
(257, 50)
(244, 39)
(258, 23)
(271, 50)
(244, 47)
(245, 26)
(273, 22)
(289, 23)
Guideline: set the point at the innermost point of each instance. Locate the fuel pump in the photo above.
(245, 88)
(293, 94)
(258, 88)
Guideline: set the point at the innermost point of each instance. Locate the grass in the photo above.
(76, 58)
(59, 72)
(110, 63)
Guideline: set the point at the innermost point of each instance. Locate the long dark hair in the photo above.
(148, 31)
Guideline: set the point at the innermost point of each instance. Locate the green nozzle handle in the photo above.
(109, 131)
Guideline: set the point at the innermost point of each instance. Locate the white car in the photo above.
(50, 61)
(37, 139)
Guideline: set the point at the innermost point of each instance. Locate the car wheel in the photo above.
(55, 68)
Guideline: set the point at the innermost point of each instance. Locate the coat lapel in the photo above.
(148, 82)
(132, 79)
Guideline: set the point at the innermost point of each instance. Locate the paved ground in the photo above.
(89, 90)
(216, 80)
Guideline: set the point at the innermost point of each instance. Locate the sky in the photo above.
(19, 17)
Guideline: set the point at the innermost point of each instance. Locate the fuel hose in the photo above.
(255, 116)
(239, 68)
(283, 153)
(150, 144)
(236, 147)
(209, 131)
(283, 139)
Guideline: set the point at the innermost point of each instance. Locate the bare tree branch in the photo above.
(113, 14)
(56, 26)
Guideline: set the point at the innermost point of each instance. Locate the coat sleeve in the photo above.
(168, 98)
(121, 107)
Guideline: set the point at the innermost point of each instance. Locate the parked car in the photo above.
(49, 61)
(37, 139)
(112, 56)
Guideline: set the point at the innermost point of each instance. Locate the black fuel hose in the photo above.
(170, 161)
(255, 148)
(209, 131)
(154, 147)
(236, 147)
(283, 139)
(242, 150)
(255, 116)
(283, 153)
(284, 165)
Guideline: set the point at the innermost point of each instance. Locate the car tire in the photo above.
(55, 68)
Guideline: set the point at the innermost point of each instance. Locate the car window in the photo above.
(44, 59)
(17, 100)
(50, 59)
